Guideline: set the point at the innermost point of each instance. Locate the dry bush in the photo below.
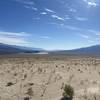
(30, 92)
(68, 92)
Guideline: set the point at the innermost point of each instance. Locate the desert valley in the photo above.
(42, 77)
(49, 49)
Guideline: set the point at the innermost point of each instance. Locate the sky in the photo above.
(50, 24)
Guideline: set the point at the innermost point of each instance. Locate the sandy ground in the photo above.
(42, 78)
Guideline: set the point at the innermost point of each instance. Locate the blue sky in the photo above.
(50, 24)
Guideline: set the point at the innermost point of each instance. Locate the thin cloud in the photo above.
(91, 41)
(69, 27)
(91, 36)
(98, 39)
(84, 36)
(81, 18)
(34, 8)
(49, 10)
(45, 37)
(72, 10)
(13, 33)
(43, 13)
(72, 28)
(67, 17)
(27, 2)
(57, 17)
(13, 38)
(91, 3)
(54, 23)
(97, 33)
(30, 7)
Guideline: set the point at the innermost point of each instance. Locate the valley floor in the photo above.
(42, 77)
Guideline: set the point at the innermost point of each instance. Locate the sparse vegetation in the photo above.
(68, 92)
(26, 98)
(10, 84)
(30, 92)
(44, 79)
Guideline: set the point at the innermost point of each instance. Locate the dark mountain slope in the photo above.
(11, 49)
(87, 50)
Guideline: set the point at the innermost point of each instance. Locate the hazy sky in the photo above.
(50, 24)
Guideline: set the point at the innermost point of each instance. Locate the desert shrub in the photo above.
(39, 70)
(68, 92)
(9, 84)
(31, 84)
(26, 98)
(30, 92)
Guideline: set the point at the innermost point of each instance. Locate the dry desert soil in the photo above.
(42, 77)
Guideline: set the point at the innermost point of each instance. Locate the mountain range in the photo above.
(86, 50)
(13, 49)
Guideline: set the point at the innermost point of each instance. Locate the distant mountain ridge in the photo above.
(92, 49)
(12, 49)
(86, 50)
